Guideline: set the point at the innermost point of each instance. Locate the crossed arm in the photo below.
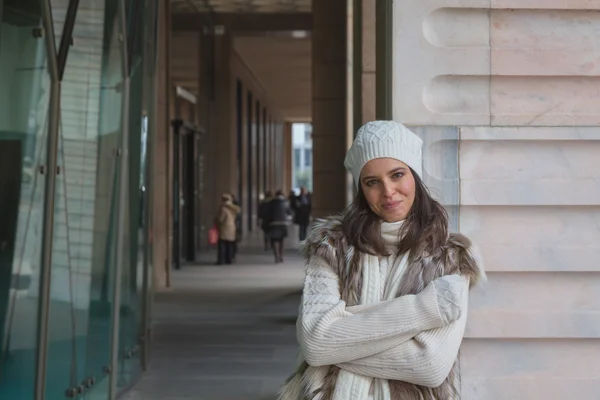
(409, 338)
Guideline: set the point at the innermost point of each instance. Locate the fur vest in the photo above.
(327, 240)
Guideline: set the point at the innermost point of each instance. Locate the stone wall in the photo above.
(506, 94)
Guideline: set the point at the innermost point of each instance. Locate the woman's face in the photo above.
(389, 188)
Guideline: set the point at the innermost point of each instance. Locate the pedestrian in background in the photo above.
(226, 224)
(278, 214)
(263, 218)
(303, 209)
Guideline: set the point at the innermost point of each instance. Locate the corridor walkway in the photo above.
(225, 332)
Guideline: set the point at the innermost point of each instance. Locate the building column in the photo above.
(287, 157)
(364, 44)
(508, 110)
(329, 87)
(160, 189)
(218, 144)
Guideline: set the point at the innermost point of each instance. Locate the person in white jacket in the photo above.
(385, 297)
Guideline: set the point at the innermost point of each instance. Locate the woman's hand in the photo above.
(449, 292)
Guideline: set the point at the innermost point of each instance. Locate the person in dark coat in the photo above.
(278, 213)
(263, 218)
(303, 205)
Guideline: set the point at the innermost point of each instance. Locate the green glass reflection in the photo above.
(85, 229)
(130, 326)
(24, 98)
(105, 219)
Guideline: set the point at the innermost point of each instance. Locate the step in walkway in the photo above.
(225, 332)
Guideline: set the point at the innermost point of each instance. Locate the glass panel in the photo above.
(81, 286)
(24, 100)
(132, 245)
(134, 238)
(109, 131)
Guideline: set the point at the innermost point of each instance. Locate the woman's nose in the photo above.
(388, 189)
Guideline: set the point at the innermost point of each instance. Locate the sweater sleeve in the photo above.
(329, 334)
(424, 360)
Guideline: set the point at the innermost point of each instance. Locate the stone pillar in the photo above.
(287, 157)
(159, 187)
(507, 104)
(218, 145)
(329, 46)
(273, 155)
(365, 93)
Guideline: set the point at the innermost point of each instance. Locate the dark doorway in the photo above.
(259, 139)
(265, 161)
(239, 135)
(186, 212)
(10, 181)
(250, 160)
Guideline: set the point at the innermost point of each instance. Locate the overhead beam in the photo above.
(247, 22)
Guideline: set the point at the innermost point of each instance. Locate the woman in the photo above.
(385, 297)
(279, 212)
(227, 229)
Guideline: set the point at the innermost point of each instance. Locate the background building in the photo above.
(302, 148)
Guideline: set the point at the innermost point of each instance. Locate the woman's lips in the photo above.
(391, 205)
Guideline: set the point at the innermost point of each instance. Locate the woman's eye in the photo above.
(398, 175)
(371, 183)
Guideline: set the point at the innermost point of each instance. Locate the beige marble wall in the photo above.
(519, 82)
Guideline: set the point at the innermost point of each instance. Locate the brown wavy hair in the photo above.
(425, 228)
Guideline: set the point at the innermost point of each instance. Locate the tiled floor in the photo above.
(225, 332)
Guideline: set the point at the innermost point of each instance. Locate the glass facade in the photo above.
(76, 90)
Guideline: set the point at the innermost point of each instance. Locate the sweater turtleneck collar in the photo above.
(390, 231)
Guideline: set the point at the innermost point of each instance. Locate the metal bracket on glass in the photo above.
(129, 354)
(89, 382)
(37, 32)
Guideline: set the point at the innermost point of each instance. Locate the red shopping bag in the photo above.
(213, 236)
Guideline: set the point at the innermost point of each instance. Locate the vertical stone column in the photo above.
(329, 106)
(287, 157)
(219, 144)
(508, 109)
(159, 187)
(368, 64)
(273, 155)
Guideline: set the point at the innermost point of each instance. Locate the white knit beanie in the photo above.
(384, 139)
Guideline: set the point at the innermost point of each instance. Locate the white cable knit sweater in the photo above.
(405, 338)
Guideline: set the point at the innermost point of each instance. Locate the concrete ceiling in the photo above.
(278, 54)
(283, 66)
(241, 6)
